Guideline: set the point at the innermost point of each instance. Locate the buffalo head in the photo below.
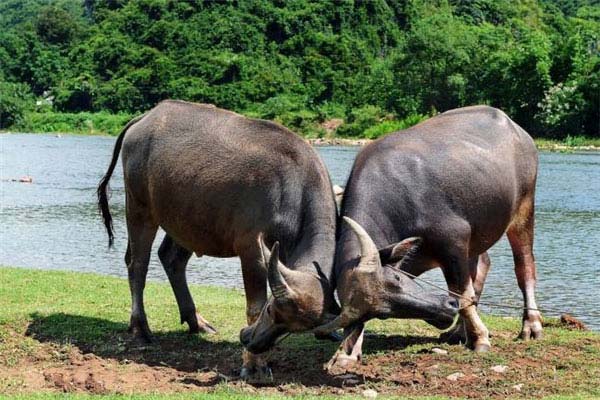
(377, 288)
(301, 300)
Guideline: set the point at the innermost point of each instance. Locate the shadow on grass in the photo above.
(299, 359)
(110, 339)
(378, 342)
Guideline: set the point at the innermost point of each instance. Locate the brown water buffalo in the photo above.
(439, 194)
(224, 185)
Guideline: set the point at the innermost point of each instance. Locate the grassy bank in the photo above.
(568, 144)
(66, 332)
(83, 123)
(325, 133)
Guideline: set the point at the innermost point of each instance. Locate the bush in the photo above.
(575, 141)
(88, 123)
(15, 100)
(331, 110)
(302, 121)
(389, 126)
(360, 120)
(55, 25)
(560, 110)
(75, 94)
(280, 105)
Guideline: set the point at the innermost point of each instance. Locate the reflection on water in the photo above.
(53, 223)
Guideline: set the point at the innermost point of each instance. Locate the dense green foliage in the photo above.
(303, 62)
(15, 99)
(82, 122)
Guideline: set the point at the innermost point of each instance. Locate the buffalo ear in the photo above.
(397, 252)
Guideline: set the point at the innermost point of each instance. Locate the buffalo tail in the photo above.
(103, 186)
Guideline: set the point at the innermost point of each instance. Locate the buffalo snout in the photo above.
(446, 313)
(452, 305)
(258, 340)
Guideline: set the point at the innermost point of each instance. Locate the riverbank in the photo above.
(578, 143)
(103, 123)
(66, 332)
(567, 145)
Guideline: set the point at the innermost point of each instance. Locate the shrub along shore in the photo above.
(67, 332)
(320, 134)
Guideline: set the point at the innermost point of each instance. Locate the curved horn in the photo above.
(369, 258)
(279, 287)
(264, 251)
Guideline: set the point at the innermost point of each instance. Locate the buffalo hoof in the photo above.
(140, 330)
(257, 375)
(456, 335)
(482, 347)
(341, 361)
(531, 330)
(332, 337)
(198, 324)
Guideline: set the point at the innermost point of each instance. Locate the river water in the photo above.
(53, 222)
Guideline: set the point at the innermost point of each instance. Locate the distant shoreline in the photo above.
(541, 144)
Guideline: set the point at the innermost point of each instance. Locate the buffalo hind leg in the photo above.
(458, 334)
(520, 236)
(457, 271)
(254, 366)
(141, 233)
(174, 259)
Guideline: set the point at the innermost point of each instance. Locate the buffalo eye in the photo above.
(397, 277)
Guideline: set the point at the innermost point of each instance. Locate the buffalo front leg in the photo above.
(350, 350)
(141, 235)
(254, 366)
(457, 271)
(479, 272)
(174, 259)
(520, 236)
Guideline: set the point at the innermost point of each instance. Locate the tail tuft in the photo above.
(104, 210)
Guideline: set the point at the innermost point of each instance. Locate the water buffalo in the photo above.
(224, 185)
(439, 194)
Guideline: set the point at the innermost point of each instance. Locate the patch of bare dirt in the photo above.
(178, 363)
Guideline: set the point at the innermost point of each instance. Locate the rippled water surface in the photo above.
(53, 222)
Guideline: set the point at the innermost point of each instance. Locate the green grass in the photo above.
(102, 304)
(49, 320)
(389, 126)
(569, 143)
(101, 123)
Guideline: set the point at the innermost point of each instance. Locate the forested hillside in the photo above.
(377, 65)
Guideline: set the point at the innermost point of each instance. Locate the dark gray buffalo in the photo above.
(223, 185)
(439, 194)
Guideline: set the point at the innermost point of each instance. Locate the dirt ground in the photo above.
(401, 365)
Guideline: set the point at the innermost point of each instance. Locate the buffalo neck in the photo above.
(316, 243)
(314, 238)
